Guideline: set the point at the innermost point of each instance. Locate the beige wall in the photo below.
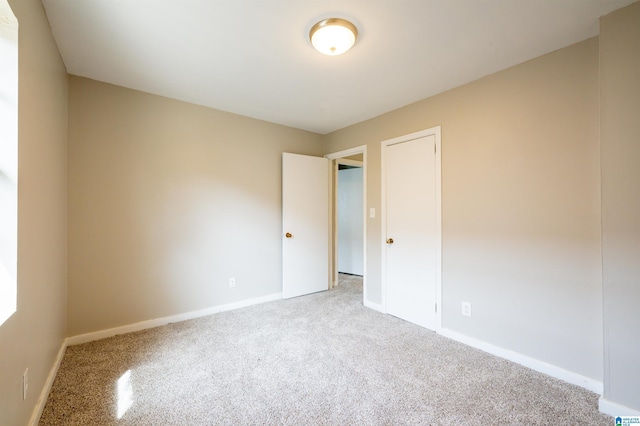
(167, 201)
(620, 113)
(32, 337)
(520, 205)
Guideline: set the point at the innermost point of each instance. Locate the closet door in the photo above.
(411, 241)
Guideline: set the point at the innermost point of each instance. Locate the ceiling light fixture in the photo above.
(333, 36)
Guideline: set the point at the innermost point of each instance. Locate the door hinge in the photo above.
(434, 148)
(436, 308)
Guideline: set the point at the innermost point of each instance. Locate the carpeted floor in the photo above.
(322, 359)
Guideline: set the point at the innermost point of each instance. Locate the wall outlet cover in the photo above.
(466, 309)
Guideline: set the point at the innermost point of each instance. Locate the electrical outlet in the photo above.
(25, 384)
(232, 282)
(466, 309)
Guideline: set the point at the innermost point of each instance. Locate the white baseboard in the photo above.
(143, 325)
(534, 364)
(44, 394)
(614, 409)
(374, 306)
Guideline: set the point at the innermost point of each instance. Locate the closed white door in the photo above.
(305, 224)
(411, 239)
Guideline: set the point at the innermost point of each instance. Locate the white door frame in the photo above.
(362, 149)
(434, 131)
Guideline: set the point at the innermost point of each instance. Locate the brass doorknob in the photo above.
(389, 240)
(288, 235)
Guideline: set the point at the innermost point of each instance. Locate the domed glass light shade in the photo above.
(333, 36)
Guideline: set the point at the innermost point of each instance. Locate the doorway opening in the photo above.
(348, 217)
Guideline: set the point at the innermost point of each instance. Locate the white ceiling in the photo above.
(254, 57)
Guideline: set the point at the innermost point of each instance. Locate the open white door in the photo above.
(305, 224)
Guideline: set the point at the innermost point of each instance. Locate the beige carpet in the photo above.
(322, 359)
